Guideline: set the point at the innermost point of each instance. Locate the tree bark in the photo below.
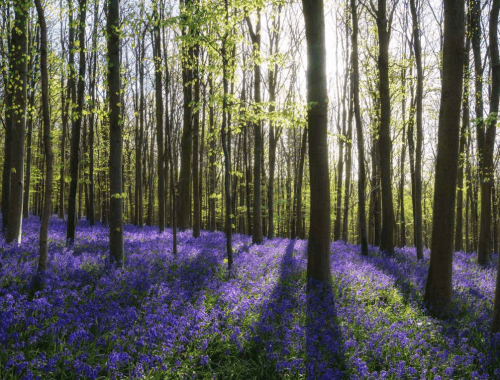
(49, 156)
(75, 130)
(438, 289)
(318, 248)
(384, 140)
(19, 79)
(359, 133)
(115, 136)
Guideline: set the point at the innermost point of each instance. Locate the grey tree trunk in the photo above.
(115, 136)
(438, 289)
(359, 133)
(76, 128)
(49, 156)
(19, 79)
(385, 143)
(318, 248)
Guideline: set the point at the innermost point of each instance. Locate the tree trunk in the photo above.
(196, 133)
(384, 140)
(159, 119)
(75, 130)
(19, 79)
(318, 248)
(486, 130)
(300, 178)
(49, 156)
(438, 289)
(461, 157)
(494, 99)
(115, 136)
(359, 133)
(257, 191)
(348, 175)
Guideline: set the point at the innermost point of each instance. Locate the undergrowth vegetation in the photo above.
(185, 317)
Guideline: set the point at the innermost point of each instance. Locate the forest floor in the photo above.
(183, 317)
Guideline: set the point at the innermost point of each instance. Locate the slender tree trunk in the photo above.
(8, 97)
(438, 289)
(461, 160)
(359, 133)
(418, 151)
(49, 156)
(318, 248)
(384, 140)
(19, 79)
(77, 124)
(257, 167)
(345, 220)
(159, 120)
(196, 133)
(495, 90)
(115, 136)
(212, 156)
(300, 178)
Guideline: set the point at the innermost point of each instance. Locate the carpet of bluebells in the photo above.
(185, 317)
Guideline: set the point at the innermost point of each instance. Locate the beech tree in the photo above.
(438, 289)
(318, 247)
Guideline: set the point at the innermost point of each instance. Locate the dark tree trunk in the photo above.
(212, 156)
(318, 249)
(495, 94)
(461, 157)
(159, 120)
(91, 210)
(196, 133)
(115, 136)
(438, 289)
(300, 178)
(418, 151)
(258, 147)
(27, 180)
(359, 133)
(18, 79)
(49, 156)
(75, 130)
(8, 96)
(384, 140)
(486, 131)
(345, 219)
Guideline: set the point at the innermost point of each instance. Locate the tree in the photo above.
(384, 137)
(359, 133)
(418, 152)
(318, 248)
(439, 286)
(258, 147)
(494, 100)
(159, 117)
(49, 156)
(19, 79)
(115, 135)
(76, 128)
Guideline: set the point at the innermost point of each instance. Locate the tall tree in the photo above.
(318, 248)
(418, 149)
(359, 133)
(258, 147)
(8, 97)
(159, 116)
(49, 156)
(76, 127)
(115, 135)
(495, 93)
(184, 205)
(18, 83)
(486, 130)
(439, 280)
(384, 132)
